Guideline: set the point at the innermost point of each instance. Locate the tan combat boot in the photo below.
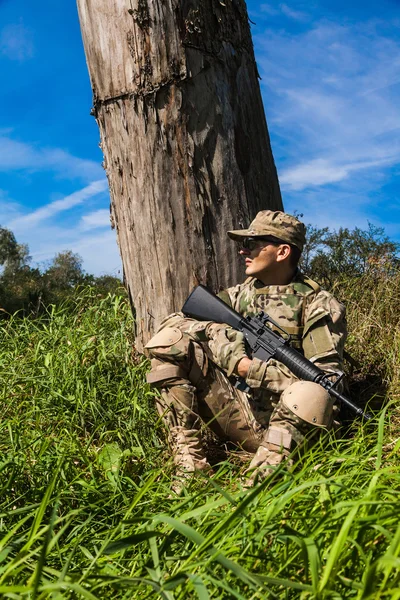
(189, 456)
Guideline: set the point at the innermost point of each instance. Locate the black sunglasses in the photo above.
(251, 243)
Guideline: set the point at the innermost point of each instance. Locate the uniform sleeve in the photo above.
(199, 331)
(225, 297)
(271, 375)
(325, 332)
(196, 330)
(229, 295)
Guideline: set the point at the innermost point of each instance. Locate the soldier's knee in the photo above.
(309, 402)
(169, 344)
(176, 359)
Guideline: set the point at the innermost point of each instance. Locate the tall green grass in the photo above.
(373, 310)
(86, 508)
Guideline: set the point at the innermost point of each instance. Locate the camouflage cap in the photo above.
(274, 223)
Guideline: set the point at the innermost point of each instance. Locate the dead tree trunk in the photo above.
(185, 141)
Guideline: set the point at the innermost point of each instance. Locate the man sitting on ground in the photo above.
(195, 364)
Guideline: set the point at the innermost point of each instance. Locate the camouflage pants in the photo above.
(195, 391)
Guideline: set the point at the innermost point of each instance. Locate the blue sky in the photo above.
(331, 86)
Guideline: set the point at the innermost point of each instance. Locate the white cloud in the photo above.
(46, 233)
(348, 206)
(16, 42)
(332, 96)
(24, 222)
(99, 251)
(268, 9)
(283, 9)
(93, 220)
(8, 208)
(15, 155)
(319, 172)
(332, 101)
(316, 172)
(333, 209)
(292, 14)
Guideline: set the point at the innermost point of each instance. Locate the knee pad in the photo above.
(166, 345)
(309, 402)
(169, 343)
(177, 357)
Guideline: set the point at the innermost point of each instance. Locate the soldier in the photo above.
(195, 364)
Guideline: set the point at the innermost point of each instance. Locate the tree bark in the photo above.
(185, 141)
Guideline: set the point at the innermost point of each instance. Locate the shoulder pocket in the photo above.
(317, 337)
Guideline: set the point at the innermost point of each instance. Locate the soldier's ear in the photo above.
(283, 252)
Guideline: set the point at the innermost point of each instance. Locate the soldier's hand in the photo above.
(227, 346)
(243, 366)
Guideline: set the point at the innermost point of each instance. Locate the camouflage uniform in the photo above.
(193, 362)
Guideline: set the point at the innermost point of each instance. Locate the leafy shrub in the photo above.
(329, 256)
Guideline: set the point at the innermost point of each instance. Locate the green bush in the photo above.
(30, 290)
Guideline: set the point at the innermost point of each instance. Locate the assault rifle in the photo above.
(263, 342)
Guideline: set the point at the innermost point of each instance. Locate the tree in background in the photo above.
(65, 274)
(329, 256)
(65, 270)
(185, 141)
(31, 290)
(18, 282)
(13, 256)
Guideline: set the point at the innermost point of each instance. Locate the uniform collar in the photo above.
(297, 277)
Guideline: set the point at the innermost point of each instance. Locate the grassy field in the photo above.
(86, 509)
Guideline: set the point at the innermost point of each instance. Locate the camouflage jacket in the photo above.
(314, 319)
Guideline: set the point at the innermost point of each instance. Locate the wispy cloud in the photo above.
(52, 209)
(99, 250)
(320, 172)
(297, 15)
(16, 42)
(46, 232)
(332, 95)
(283, 9)
(333, 100)
(96, 219)
(268, 9)
(100, 253)
(17, 156)
(9, 209)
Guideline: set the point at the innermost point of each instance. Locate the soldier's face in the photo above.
(262, 260)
